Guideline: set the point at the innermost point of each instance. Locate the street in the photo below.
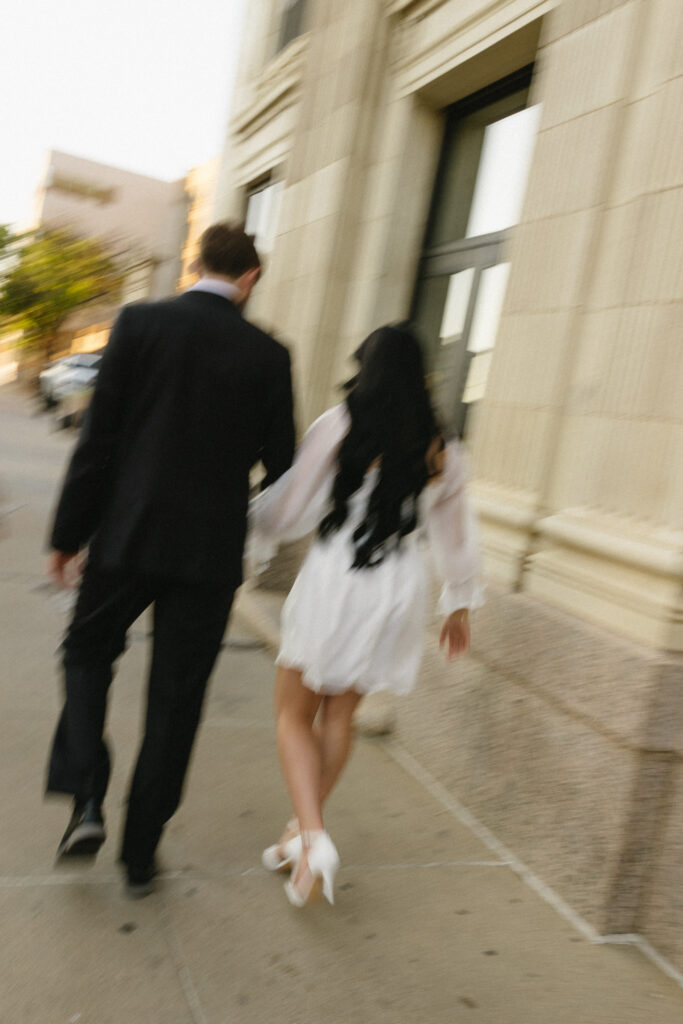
(430, 926)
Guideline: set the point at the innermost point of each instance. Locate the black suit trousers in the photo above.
(189, 624)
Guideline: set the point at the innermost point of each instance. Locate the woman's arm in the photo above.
(294, 505)
(454, 542)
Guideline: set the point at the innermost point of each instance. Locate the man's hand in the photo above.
(455, 634)
(64, 569)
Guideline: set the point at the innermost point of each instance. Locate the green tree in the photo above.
(46, 275)
(6, 237)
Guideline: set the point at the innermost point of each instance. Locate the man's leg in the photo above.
(189, 624)
(79, 761)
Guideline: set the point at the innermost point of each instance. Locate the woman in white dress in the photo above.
(369, 474)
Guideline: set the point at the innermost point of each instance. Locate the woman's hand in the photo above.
(455, 634)
(64, 569)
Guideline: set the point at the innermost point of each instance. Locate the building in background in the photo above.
(200, 188)
(142, 218)
(508, 175)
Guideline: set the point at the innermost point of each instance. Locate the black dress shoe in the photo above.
(85, 832)
(140, 879)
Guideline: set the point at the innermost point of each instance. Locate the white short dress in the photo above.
(363, 629)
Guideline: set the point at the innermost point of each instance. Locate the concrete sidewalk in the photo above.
(430, 925)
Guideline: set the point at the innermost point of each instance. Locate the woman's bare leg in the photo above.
(335, 732)
(310, 750)
(298, 745)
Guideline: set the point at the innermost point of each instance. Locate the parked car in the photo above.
(68, 375)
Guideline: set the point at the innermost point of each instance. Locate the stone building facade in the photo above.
(508, 175)
(143, 216)
(200, 190)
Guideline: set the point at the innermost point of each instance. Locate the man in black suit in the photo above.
(188, 398)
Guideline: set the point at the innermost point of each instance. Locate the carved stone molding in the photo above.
(582, 531)
(276, 88)
(477, 44)
(413, 7)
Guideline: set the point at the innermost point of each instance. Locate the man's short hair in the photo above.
(227, 249)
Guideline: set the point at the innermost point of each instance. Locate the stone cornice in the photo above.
(275, 88)
(507, 513)
(622, 543)
(401, 7)
(614, 538)
(491, 22)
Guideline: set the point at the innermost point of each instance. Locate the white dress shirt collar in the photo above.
(216, 287)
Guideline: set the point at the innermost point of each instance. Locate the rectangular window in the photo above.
(478, 197)
(263, 209)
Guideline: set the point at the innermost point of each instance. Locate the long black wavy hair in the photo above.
(391, 421)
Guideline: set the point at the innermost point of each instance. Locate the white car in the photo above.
(65, 376)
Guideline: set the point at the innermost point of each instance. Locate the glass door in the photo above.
(478, 199)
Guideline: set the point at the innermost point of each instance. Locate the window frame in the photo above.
(479, 252)
(270, 181)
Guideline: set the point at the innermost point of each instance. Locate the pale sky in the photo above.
(141, 84)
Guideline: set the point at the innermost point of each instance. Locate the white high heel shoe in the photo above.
(282, 855)
(322, 864)
(286, 852)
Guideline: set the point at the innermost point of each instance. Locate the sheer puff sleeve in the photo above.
(294, 505)
(453, 537)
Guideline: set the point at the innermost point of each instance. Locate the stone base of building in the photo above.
(565, 741)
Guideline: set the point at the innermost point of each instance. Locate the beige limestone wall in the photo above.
(262, 126)
(569, 732)
(313, 130)
(436, 54)
(400, 162)
(620, 449)
(661, 916)
(583, 785)
(567, 742)
(334, 135)
(582, 418)
(349, 117)
(451, 48)
(200, 189)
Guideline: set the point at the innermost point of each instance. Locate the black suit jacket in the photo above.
(189, 396)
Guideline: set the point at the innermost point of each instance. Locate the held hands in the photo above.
(455, 634)
(64, 568)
